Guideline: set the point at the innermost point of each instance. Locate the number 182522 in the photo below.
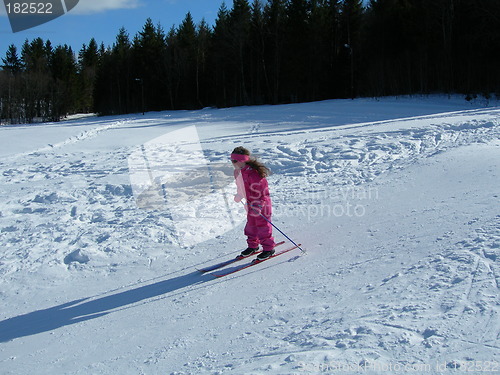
(29, 8)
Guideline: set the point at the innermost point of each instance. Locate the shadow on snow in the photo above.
(90, 308)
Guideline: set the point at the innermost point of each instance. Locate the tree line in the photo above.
(263, 52)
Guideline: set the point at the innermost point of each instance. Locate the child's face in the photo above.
(238, 164)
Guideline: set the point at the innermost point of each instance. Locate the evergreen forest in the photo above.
(262, 52)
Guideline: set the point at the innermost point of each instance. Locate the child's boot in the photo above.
(265, 254)
(249, 251)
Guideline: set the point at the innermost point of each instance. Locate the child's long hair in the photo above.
(261, 169)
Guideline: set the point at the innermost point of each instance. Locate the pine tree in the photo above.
(148, 54)
(187, 58)
(259, 81)
(220, 60)
(239, 24)
(63, 86)
(36, 93)
(275, 16)
(88, 64)
(203, 45)
(126, 86)
(12, 63)
(324, 43)
(351, 24)
(10, 108)
(297, 54)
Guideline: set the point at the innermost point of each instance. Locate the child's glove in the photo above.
(238, 198)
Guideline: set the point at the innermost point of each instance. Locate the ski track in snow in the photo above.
(68, 217)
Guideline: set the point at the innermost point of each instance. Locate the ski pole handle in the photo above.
(278, 229)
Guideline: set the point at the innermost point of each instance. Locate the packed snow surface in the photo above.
(396, 202)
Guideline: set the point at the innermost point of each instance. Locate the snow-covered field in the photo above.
(395, 200)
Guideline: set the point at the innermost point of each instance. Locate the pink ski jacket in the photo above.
(252, 187)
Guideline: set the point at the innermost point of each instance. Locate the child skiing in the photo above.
(250, 176)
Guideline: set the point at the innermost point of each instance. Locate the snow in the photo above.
(395, 200)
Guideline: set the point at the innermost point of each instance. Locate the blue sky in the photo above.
(102, 19)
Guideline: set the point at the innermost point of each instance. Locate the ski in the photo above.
(230, 261)
(254, 262)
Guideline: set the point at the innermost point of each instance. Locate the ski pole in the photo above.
(278, 229)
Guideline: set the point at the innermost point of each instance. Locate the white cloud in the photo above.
(97, 6)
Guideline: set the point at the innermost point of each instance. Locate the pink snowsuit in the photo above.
(256, 191)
